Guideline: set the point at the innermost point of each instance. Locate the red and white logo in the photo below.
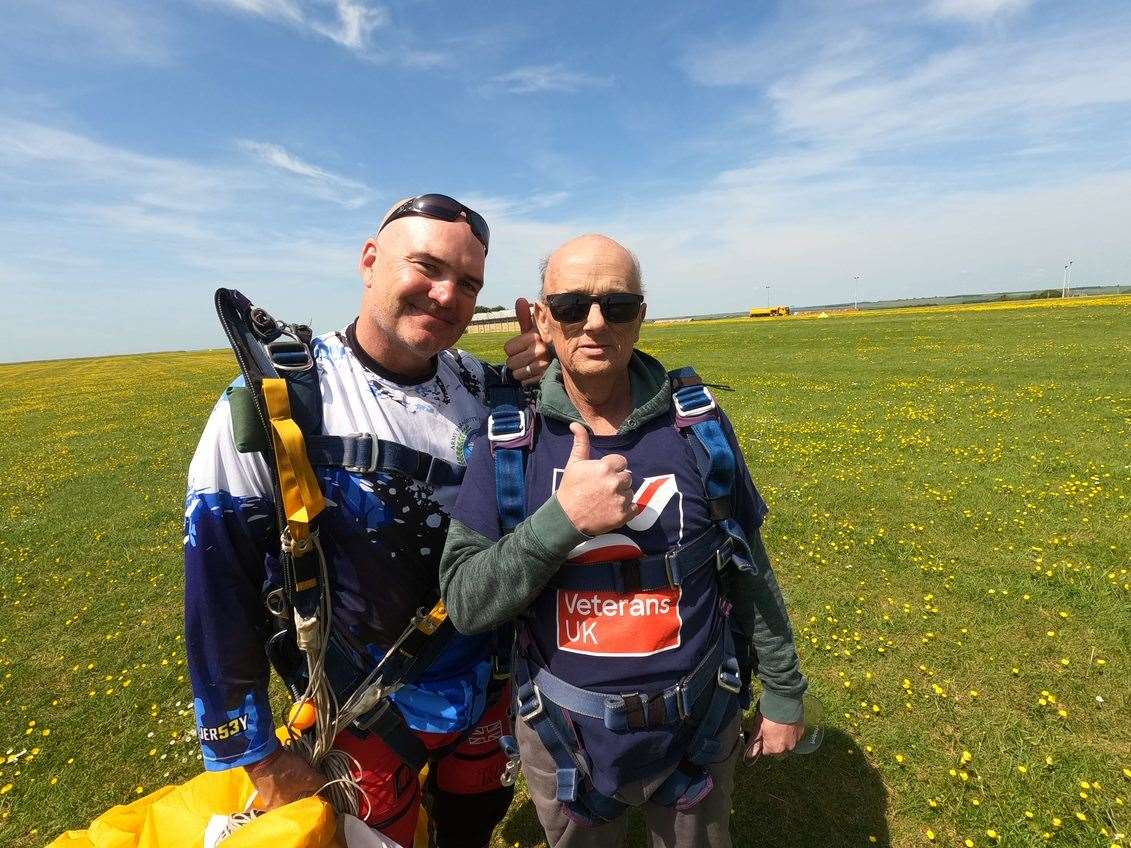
(653, 495)
(605, 623)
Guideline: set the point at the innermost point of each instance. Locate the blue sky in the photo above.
(151, 151)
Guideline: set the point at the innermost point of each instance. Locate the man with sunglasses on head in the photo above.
(618, 525)
(392, 373)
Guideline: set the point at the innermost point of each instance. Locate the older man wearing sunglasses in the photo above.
(618, 525)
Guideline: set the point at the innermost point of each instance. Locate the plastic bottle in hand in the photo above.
(814, 727)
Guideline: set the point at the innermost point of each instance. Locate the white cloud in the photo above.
(872, 100)
(350, 23)
(325, 184)
(354, 24)
(97, 239)
(496, 207)
(860, 145)
(49, 158)
(975, 11)
(73, 30)
(848, 98)
(531, 79)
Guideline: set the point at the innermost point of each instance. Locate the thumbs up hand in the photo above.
(528, 356)
(596, 494)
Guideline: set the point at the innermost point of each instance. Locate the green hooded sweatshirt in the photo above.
(485, 584)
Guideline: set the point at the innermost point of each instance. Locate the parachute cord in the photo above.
(237, 820)
(316, 745)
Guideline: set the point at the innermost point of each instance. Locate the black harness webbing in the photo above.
(364, 453)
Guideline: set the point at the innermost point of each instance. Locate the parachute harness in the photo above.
(283, 396)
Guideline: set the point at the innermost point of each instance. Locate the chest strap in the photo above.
(653, 572)
(364, 453)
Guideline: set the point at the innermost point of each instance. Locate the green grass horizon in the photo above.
(949, 522)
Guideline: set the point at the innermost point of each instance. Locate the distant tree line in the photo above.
(479, 309)
(1037, 295)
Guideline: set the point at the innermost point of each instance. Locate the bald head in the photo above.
(589, 258)
(589, 345)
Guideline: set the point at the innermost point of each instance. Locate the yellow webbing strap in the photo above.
(302, 497)
(431, 622)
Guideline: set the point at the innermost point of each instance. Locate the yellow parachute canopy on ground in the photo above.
(177, 816)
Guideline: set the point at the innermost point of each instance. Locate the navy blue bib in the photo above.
(632, 642)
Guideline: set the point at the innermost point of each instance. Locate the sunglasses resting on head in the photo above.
(442, 208)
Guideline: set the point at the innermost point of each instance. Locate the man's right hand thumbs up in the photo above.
(580, 444)
(596, 494)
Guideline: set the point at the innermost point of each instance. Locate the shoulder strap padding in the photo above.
(510, 431)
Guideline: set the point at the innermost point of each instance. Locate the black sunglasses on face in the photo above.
(617, 307)
(443, 208)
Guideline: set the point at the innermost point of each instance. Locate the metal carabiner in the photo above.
(510, 772)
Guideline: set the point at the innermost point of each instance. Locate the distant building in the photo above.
(499, 321)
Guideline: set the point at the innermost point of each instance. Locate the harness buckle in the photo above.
(728, 679)
(723, 555)
(506, 425)
(525, 712)
(634, 715)
(669, 567)
(289, 353)
(377, 711)
(682, 708)
(358, 439)
(691, 401)
(276, 602)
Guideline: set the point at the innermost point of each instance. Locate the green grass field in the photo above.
(949, 521)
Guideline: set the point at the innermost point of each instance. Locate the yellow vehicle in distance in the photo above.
(769, 311)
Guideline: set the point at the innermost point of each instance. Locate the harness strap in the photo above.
(653, 572)
(574, 786)
(638, 710)
(302, 497)
(510, 432)
(697, 413)
(301, 500)
(365, 453)
(387, 722)
(688, 784)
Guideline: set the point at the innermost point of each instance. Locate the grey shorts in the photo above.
(707, 825)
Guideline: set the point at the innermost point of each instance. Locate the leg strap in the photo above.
(574, 789)
(690, 783)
